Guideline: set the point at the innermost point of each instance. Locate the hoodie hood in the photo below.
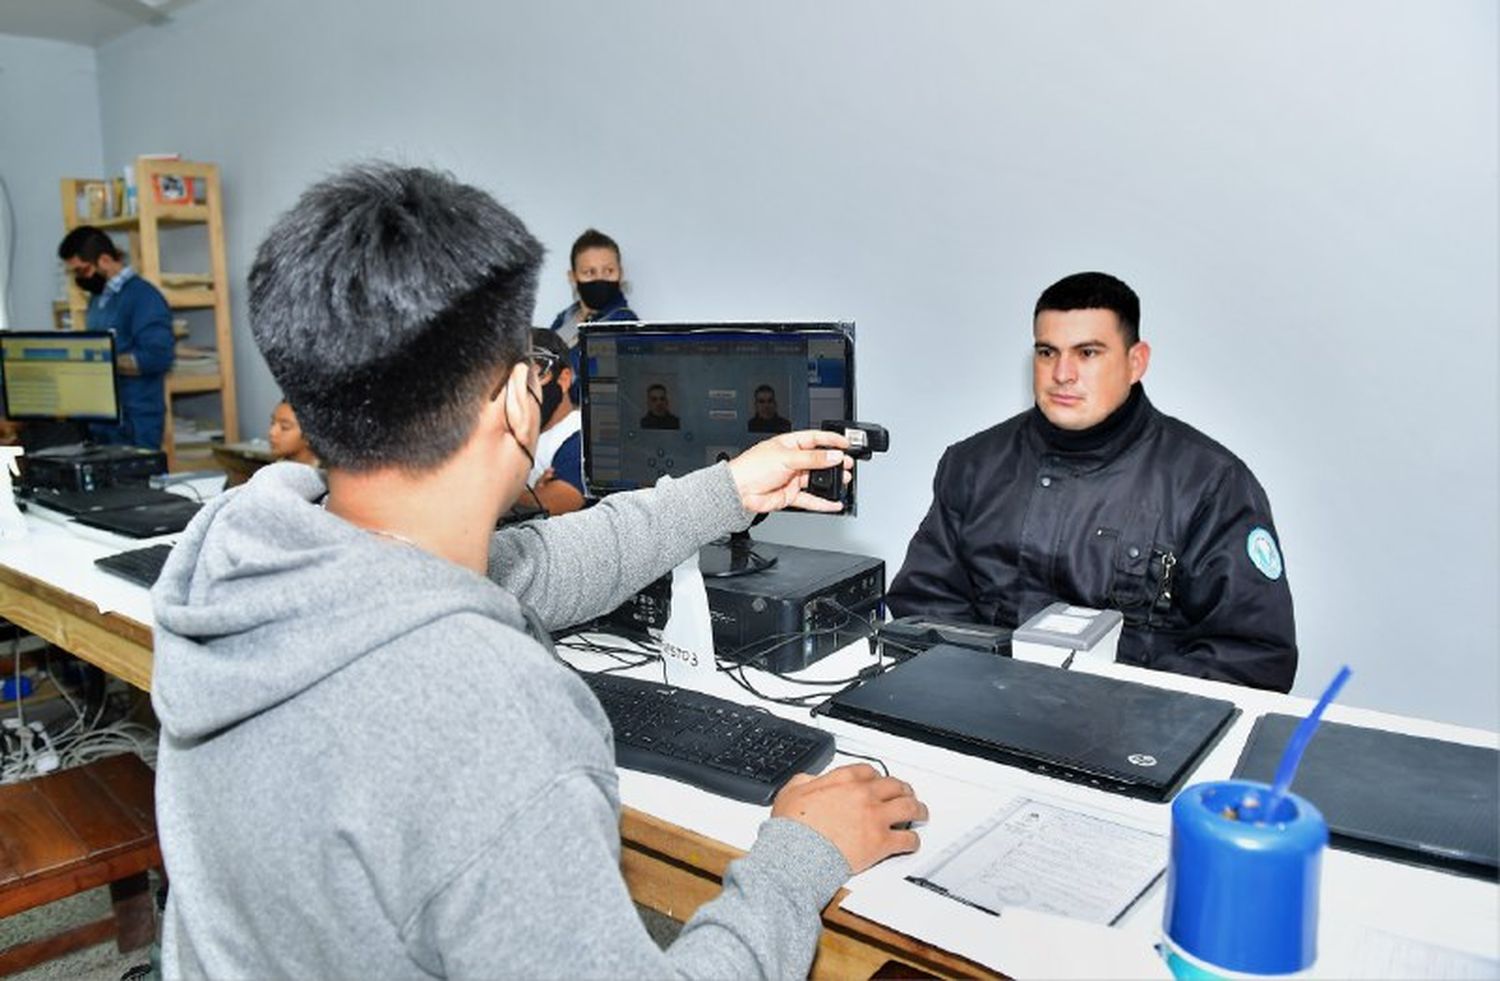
(268, 594)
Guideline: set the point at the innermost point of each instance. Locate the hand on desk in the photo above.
(857, 809)
(773, 473)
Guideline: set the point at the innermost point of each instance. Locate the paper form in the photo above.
(1046, 858)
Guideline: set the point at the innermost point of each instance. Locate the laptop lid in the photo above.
(1409, 798)
(144, 520)
(1120, 736)
(102, 499)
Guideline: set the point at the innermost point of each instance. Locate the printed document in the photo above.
(1047, 858)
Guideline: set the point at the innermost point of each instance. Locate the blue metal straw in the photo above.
(1292, 756)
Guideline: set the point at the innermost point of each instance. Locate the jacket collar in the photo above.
(1093, 447)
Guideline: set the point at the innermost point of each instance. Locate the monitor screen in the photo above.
(670, 398)
(65, 375)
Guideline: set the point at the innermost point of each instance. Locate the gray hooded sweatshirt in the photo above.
(372, 765)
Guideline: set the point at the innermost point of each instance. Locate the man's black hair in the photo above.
(765, 388)
(654, 386)
(387, 302)
(86, 244)
(547, 340)
(1095, 291)
(592, 238)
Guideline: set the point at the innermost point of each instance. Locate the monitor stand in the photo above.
(733, 556)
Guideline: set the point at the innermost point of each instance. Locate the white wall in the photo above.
(49, 129)
(1303, 194)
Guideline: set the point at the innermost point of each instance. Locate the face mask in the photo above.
(92, 284)
(600, 294)
(552, 396)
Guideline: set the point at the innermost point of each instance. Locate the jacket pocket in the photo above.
(1135, 574)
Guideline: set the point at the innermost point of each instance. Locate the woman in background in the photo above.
(597, 279)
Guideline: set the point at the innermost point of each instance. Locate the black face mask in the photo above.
(92, 284)
(552, 396)
(600, 294)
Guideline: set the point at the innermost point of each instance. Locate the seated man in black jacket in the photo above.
(1095, 498)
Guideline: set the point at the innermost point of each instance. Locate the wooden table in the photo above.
(117, 644)
(240, 460)
(668, 868)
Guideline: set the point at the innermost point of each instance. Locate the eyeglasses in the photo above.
(545, 362)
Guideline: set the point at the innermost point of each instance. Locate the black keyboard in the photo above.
(141, 566)
(721, 746)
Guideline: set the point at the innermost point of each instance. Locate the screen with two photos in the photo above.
(664, 399)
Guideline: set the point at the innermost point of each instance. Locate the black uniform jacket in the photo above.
(1142, 514)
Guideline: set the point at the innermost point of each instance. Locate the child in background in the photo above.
(285, 436)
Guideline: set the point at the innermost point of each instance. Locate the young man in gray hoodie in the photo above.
(372, 764)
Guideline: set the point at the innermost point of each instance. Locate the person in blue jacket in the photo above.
(123, 302)
(596, 275)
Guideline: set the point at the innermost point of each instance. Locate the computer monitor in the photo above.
(66, 376)
(664, 399)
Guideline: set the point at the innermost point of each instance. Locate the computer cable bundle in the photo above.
(641, 652)
(28, 749)
(735, 663)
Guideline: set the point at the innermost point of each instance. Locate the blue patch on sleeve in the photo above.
(1264, 555)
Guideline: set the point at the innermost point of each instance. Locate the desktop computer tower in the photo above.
(87, 468)
(807, 605)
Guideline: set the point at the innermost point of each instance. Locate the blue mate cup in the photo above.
(1242, 885)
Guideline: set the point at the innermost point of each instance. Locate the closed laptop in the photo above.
(1120, 736)
(74, 503)
(144, 520)
(1424, 801)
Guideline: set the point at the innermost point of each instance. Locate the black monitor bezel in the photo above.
(592, 329)
(44, 335)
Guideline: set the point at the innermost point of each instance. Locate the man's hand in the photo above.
(857, 809)
(772, 474)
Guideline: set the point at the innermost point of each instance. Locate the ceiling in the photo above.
(90, 22)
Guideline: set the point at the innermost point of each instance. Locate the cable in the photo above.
(189, 485)
(737, 659)
(15, 663)
(884, 770)
(28, 749)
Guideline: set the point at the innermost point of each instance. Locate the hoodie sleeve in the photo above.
(553, 878)
(578, 566)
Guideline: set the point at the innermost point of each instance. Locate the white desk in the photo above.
(1372, 911)
(675, 835)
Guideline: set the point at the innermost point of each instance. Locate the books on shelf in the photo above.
(202, 281)
(187, 433)
(194, 360)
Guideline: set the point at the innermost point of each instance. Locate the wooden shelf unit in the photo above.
(144, 232)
